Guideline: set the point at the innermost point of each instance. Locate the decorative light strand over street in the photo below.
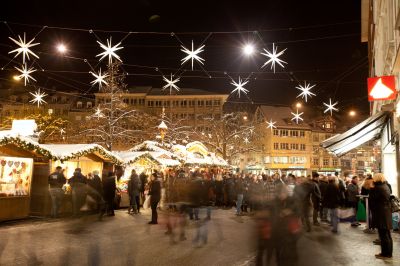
(99, 78)
(274, 57)
(192, 54)
(171, 84)
(305, 91)
(331, 107)
(38, 97)
(24, 48)
(297, 116)
(239, 87)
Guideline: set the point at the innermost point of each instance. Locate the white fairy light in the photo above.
(246, 140)
(25, 73)
(98, 113)
(171, 84)
(330, 107)
(24, 48)
(305, 91)
(297, 116)
(271, 124)
(99, 78)
(38, 97)
(274, 57)
(62, 131)
(239, 87)
(109, 51)
(192, 54)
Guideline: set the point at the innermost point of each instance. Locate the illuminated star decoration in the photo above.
(273, 57)
(98, 113)
(26, 73)
(99, 78)
(171, 84)
(271, 124)
(297, 116)
(38, 97)
(305, 91)
(24, 48)
(330, 107)
(246, 140)
(109, 51)
(192, 54)
(239, 87)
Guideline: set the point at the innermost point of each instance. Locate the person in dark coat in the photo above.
(134, 193)
(316, 198)
(351, 194)
(155, 196)
(323, 184)
(332, 200)
(109, 187)
(239, 189)
(78, 185)
(56, 182)
(379, 199)
(95, 189)
(143, 182)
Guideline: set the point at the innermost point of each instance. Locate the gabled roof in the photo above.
(282, 115)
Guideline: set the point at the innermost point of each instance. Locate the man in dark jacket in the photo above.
(109, 187)
(95, 189)
(316, 198)
(332, 200)
(379, 199)
(56, 182)
(134, 192)
(155, 196)
(323, 184)
(78, 185)
(239, 188)
(351, 193)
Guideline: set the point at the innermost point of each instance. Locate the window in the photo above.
(315, 161)
(284, 146)
(302, 134)
(294, 133)
(208, 103)
(302, 147)
(200, 103)
(267, 159)
(54, 99)
(280, 159)
(183, 103)
(276, 146)
(334, 162)
(360, 164)
(89, 105)
(276, 132)
(315, 138)
(294, 146)
(284, 133)
(328, 125)
(191, 103)
(297, 160)
(79, 105)
(217, 102)
(325, 162)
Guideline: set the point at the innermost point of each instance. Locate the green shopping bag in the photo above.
(361, 213)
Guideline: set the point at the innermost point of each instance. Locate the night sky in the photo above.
(322, 40)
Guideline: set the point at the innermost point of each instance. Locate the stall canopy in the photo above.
(367, 130)
(158, 157)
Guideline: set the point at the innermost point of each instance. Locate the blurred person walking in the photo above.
(95, 189)
(78, 185)
(316, 198)
(155, 196)
(239, 188)
(56, 182)
(379, 199)
(323, 184)
(109, 187)
(134, 193)
(351, 193)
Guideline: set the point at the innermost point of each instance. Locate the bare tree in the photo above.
(229, 135)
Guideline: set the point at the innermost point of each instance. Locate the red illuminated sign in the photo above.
(381, 88)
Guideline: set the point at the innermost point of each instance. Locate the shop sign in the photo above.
(381, 88)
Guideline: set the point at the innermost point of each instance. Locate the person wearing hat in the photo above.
(155, 196)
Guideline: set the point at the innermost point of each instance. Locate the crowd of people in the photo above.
(282, 205)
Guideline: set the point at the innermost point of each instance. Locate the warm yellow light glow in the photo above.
(61, 48)
(352, 113)
(16, 78)
(245, 117)
(299, 105)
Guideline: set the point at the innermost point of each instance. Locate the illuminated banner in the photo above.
(381, 88)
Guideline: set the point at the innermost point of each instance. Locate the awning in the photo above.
(367, 130)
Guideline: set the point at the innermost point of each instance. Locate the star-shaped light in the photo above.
(239, 87)
(192, 54)
(246, 140)
(109, 51)
(171, 84)
(99, 78)
(330, 107)
(62, 131)
(38, 97)
(273, 57)
(98, 113)
(305, 91)
(24, 48)
(271, 124)
(297, 116)
(25, 73)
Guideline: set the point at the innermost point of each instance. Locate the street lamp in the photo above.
(248, 49)
(61, 48)
(299, 105)
(16, 78)
(352, 113)
(245, 118)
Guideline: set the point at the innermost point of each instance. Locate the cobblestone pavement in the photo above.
(129, 240)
